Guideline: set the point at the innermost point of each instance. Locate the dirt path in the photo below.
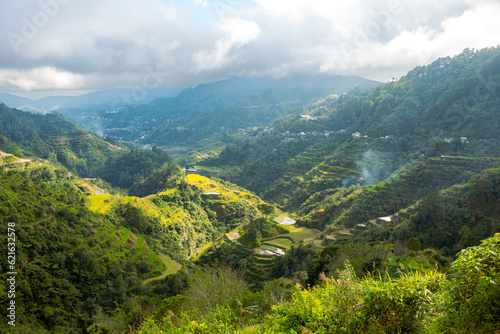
(172, 268)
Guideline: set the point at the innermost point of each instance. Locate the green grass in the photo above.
(172, 268)
(280, 242)
(140, 247)
(301, 234)
(269, 247)
(254, 329)
(264, 257)
(101, 203)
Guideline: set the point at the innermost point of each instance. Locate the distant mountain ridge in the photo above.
(231, 91)
(210, 111)
(228, 92)
(169, 117)
(104, 99)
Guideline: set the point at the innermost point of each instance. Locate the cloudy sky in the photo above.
(50, 47)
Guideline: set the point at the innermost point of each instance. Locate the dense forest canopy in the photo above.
(374, 211)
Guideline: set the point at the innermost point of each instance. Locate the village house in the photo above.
(211, 194)
(308, 118)
(383, 221)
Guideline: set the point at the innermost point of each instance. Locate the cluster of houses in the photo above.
(358, 135)
(450, 139)
(289, 135)
(308, 118)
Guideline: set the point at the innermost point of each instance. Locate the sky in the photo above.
(71, 47)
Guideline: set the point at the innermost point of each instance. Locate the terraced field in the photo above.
(232, 193)
(197, 252)
(280, 242)
(311, 157)
(302, 234)
(120, 245)
(102, 203)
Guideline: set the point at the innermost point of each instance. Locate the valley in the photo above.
(260, 204)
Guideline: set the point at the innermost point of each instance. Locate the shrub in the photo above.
(395, 306)
(475, 289)
(215, 287)
(221, 319)
(377, 304)
(323, 309)
(413, 244)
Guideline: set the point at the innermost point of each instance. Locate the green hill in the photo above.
(446, 108)
(455, 218)
(396, 179)
(54, 137)
(81, 251)
(359, 204)
(70, 262)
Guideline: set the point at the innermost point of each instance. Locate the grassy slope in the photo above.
(172, 268)
(199, 216)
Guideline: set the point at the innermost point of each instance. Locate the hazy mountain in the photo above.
(371, 176)
(216, 109)
(22, 103)
(112, 98)
(231, 91)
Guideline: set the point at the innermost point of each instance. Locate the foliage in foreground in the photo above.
(416, 302)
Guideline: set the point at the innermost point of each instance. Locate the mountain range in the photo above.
(276, 181)
(100, 99)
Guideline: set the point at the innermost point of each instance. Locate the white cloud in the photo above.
(203, 3)
(40, 79)
(109, 43)
(477, 27)
(284, 8)
(238, 32)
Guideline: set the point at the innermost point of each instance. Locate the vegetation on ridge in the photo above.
(382, 189)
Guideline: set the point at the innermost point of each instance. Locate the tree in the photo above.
(216, 286)
(413, 244)
(266, 209)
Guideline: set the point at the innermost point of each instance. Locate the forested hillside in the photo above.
(71, 263)
(202, 119)
(82, 252)
(449, 107)
(358, 218)
(54, 137)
